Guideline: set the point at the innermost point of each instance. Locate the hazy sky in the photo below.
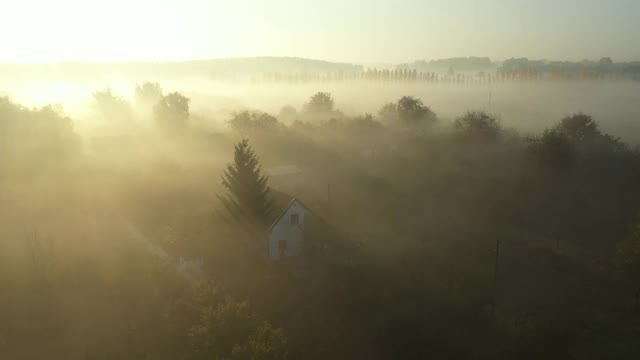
(366, 31)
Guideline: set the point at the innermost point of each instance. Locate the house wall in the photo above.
(293, 234)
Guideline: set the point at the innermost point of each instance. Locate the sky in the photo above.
(359, 31)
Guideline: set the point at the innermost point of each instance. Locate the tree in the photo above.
(249, 200)
(206, 323)
(288, 114)
(364, 123)
(111, 106)
(628, 260)
(389, 112)
(33, 136)
(266, 343)
(147, 94)
(579, 128)
(555, 151)
(585, 136)
(412, 111)
(230, 330)
(320, 103)
(478, 125)
(251, 121)
(171, 113)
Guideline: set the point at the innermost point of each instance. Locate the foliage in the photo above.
(267, 343)
(365, 123)
(389, 112)
(578, 141)
(171, 113)
(556, 151)
(221, 328)
(411, 111)
(628, 260)
(478, 125)
(403, 259)
(39, 136)
(321, 103)
(288, 114)
(147, 94)
(248, 122)
(248, 198)
(112, 107)
(579, 128)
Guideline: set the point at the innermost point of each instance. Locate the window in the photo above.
(295, 219)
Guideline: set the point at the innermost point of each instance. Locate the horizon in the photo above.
(364, 63)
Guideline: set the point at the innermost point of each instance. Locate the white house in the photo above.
(286, 236)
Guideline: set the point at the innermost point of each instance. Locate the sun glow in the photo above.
(334, 30)
(42, 31)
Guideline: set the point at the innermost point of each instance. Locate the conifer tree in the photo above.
(248, 199)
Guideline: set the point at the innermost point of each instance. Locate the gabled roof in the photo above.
(321, 222)
(285, 210)
(283, 170)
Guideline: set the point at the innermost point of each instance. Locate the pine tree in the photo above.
(248, 200)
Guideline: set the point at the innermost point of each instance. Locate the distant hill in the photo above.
(216, 68)
(272, 67)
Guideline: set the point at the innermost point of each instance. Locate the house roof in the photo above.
(293, 200)
(283, 170)
(320, 221)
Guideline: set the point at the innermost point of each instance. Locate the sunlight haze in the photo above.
(337, 179)
(372, 31)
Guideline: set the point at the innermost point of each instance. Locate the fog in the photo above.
(153, 213)
(528, 107)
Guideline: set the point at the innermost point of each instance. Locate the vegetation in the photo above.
(111, 107)
(629, 262)
(412, 111)
(248, 200)
(478, 125)
(434, 239)
(250, 122)
(147, 94)
(171, 113)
